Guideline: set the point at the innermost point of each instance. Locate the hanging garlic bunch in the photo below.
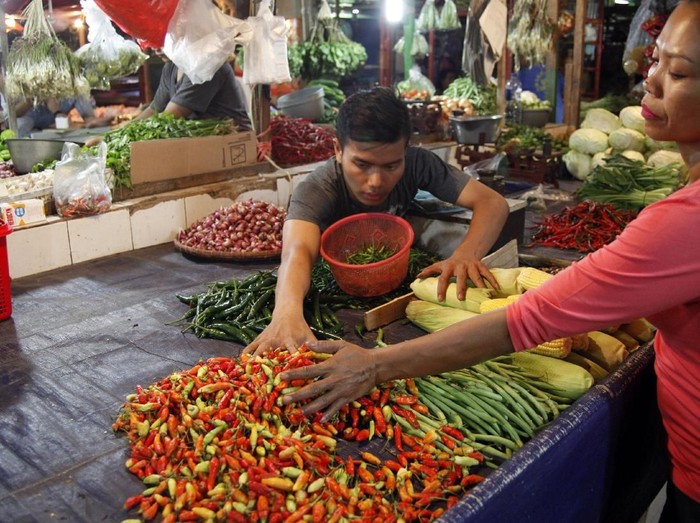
(530, 32)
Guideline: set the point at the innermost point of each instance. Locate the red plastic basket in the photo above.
(5, 296)
(356, 232)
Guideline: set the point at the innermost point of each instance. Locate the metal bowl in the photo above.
(475, 130)
(536, 117)
(27, 152)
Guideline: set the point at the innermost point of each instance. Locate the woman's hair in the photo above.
(374, 115)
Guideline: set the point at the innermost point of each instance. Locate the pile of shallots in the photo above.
(244, 227)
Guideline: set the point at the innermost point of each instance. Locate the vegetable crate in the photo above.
(534, 167)
(5, 296)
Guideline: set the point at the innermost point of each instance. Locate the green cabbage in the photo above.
(662, 158)
(589, 141)
(631, 118)
(625, 139)
(578, 164)
(634, 155)
(601, 119)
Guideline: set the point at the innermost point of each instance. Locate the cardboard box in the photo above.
(159, 160)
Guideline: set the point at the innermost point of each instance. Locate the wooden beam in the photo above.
(574, 103)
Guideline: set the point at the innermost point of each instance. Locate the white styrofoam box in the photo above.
(96, 236)
(38, 249)
(201, 205)
(158, 224)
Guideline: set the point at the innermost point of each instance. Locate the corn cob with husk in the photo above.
(432, 317)
(426, 289)
(559, 348)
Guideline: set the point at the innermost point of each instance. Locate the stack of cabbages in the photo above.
(603, 134)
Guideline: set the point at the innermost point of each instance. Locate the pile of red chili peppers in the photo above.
(216, 443)
(297, 141)
(586, 227)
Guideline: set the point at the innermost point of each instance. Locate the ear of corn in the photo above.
(605, 350)
(580, 342)
(591, 366)
(569, 380)
(493, 304)
(531, 278)
(507, 281)
(426, 289)
(432, 317)
(640, 329)
(631, 344)
(559, 348)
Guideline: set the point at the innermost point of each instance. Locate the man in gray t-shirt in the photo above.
(374, 170)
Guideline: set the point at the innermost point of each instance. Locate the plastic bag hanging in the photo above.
(80, 186)
(448, 19)
(145, 20)
(265, 57)
(419, 48)
(107, 55)
(428, 17)
(201, 39)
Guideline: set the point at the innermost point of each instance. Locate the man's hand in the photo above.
(462, 270)
(284, 332)
(349, 374)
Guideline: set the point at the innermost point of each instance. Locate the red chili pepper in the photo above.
(405, 400)
(398, 441)
(452, 431)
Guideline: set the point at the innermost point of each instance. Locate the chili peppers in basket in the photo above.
(297, 141)
(586, 227)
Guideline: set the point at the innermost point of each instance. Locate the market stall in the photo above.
(101, 358)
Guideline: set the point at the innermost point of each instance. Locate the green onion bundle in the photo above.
(39, 65)
(630, 184)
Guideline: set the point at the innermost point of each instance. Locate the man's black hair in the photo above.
(373, 115)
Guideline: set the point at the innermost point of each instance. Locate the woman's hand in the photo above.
(283, 332)
(346, 376)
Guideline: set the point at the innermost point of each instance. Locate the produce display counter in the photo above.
(81, 338)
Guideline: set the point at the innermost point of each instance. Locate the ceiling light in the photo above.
(393, 11)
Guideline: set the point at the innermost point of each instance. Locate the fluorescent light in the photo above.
(393, 11)
(622, 2)
(356, 11)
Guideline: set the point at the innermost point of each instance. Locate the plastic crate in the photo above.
(5, 296)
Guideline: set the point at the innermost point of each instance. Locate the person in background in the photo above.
(37, 117)
(220, 97)
(374, 170)
(651, 270)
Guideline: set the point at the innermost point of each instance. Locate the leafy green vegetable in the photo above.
(629, 184)
(482, 98)
(157, 127)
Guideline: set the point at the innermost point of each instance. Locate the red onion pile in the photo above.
(244, 227)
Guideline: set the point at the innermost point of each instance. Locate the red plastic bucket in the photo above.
(353, 233)
(5, 296)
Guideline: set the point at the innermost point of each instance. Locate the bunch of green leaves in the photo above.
(157, 127)
(39, 65)
(329, 53)
(518, 136)
(483, 98)
(630, 184)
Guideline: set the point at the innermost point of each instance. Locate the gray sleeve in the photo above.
(436, 176)
(196, 97)
(162, 96)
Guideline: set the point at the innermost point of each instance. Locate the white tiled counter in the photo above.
(138, 223)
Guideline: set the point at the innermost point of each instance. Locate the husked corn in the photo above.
(531, 278)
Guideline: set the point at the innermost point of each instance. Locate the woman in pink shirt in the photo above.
(652, 270)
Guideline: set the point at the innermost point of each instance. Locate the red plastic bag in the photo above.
(145, 20)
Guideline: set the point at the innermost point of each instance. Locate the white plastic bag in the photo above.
(265, 54)
(107, 55)
(201, 39)
(79, 184)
